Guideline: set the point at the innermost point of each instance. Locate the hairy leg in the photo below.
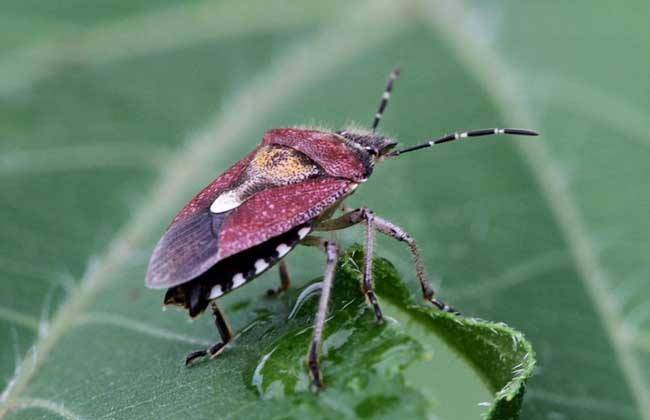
(331, 252)
(374, 222)
(285, 280)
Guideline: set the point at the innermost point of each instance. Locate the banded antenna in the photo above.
(384, 98)
(466, 134)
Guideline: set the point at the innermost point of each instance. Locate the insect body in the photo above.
(274, 199)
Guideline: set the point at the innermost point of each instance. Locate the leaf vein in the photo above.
(137, 35)
(301, 65)
(138, 326)
(502, 83)
(18, 318)
(56, 408)
(577, 95)
(513, 276)
(80, 157)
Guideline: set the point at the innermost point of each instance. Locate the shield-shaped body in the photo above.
(253, 215)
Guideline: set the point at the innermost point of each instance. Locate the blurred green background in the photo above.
(113, 114)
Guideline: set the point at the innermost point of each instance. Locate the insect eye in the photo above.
(371, 150)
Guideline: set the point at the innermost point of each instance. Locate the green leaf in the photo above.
(501, 355)
(366, 363)
(112, 116)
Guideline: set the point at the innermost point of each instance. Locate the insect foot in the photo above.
(224, 331)
(195, 357)
(314, 369)
(200, 355)
(443, 306)
(285, 281)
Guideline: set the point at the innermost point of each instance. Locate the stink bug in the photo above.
(275, 198)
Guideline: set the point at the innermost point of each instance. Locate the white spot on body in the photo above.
(463, 135)
(226, 201)
(237, 280)
(501, 131)
(386, 95)
(260, 265)
(282, 250)
(378, 116)
(216, 292)
(303, 232)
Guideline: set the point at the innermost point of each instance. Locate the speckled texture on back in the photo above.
(207, 195)
(276, 210)
(326, 149)
(291, 179)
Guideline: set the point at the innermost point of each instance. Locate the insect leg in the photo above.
(285, 280)
(225, 333)
(367, 271)
(394, 231)
(331, 251)
(351, 218)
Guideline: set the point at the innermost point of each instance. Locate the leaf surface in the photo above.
(108, 124)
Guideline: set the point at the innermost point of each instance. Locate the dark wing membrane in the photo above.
(190, 243)
(195, 243)
(188, 249)
(233, 272)
(225, 181)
